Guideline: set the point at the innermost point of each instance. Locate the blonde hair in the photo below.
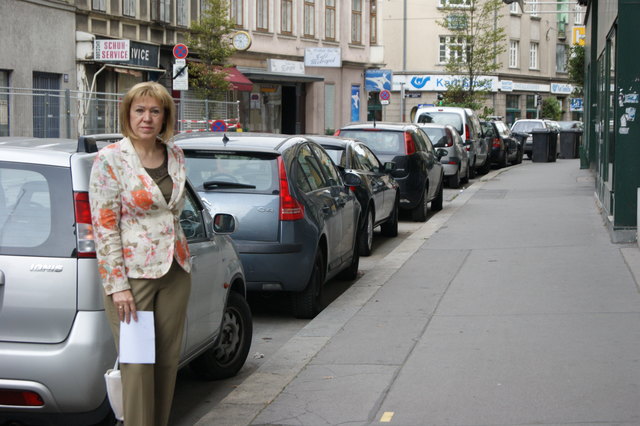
(157, 92)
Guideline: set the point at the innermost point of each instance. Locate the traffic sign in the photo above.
(384, 96)
(219, 126)
(180, 51)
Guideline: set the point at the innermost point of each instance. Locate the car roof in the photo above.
(382, 125)
(248, 142)
(52, 151)
(335, 141)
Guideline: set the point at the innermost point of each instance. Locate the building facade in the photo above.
(534, 64)
(612, 133)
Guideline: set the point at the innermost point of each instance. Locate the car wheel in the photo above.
(454, 181)
(472, 169)
(366, 235)
(466, 175)
(228, 355)
(351, 273)
(419, 212)
(307, 303)
(520, 155)
(390, 227)
(486, 166)
(436, 203)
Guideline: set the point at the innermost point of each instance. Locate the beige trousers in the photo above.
(148, 388)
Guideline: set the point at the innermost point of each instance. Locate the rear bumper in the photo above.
(67, 376)
(410, 192)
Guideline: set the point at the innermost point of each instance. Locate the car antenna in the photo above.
(225, 139)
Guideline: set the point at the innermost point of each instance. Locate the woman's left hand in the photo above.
(125, 305)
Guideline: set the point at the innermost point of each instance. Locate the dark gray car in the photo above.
(297, 219)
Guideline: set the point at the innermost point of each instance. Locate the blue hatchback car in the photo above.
(297, 218)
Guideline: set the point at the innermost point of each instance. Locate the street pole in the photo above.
(402, 114)
(404, 36)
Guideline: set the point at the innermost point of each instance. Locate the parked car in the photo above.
(570, 125)
(505, 149)
(418, 170)
(297, 217)
(466, 122)
(55, 342)
(525, 126)
(456, 162)
(379, 193)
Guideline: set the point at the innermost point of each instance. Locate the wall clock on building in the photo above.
(241, 40)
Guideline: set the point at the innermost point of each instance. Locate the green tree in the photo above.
(575, 68)
(475, 42)
(210, 40)
(551, 109)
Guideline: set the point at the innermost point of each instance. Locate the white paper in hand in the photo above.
(138, 340)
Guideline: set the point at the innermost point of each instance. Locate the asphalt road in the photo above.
(273, 326)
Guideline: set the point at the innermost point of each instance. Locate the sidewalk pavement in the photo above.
(509, 307)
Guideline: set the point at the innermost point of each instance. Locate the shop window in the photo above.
(513, 109)
(532, 110)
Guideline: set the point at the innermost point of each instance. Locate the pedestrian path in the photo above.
(509, 307)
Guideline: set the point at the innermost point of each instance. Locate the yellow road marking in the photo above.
(386, 417)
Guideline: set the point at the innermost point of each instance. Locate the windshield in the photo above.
(441, 117)
(526, 126)
(380, 141)
(437, 135)
(236, 172)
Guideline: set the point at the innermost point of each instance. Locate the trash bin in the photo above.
(570, 143)
(545, 145)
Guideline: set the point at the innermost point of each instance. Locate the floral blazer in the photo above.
(137, 233)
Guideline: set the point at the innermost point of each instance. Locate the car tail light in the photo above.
(467, 132)
(20, 398)
(409, 144)
(290, 208)
(84, 228)
(336, 133)
(449, 140)
(496, 142)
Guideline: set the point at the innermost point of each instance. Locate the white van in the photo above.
(466, 122)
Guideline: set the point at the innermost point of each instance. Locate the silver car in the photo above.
(456, 163)
(55, 343)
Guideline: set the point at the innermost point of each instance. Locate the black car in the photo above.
(418, 170)
(379, 193)
(504, 147)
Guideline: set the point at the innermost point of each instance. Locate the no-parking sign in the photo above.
(180, 51)
(219, 126)
(385, 97)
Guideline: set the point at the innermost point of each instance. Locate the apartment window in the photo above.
(454, 3)
(309, 18)
(262, 15)
(182, 13)
(356, 21)
(4, 104)
(373, 22)
(514, 53)
(561, 57)
(533, 56)
(99, 5)
(514, 8)
(235, 12)
(129, 8)
(330, 19)
(164, 10)
(453, 48)
(578, 15)
(533, 4)
(286, 13)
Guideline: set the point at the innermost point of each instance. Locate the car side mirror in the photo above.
(389, 166)
(440, 152)
(224, 223)
(352, 179)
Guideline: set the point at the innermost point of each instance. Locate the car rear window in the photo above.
(380, 141)
(252, 172)
(36, 210)
(442, 117)
(437, 135)
(526, 126)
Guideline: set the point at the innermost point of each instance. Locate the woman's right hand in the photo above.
(125, 305)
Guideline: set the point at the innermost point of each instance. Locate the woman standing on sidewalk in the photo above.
(137, 191)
